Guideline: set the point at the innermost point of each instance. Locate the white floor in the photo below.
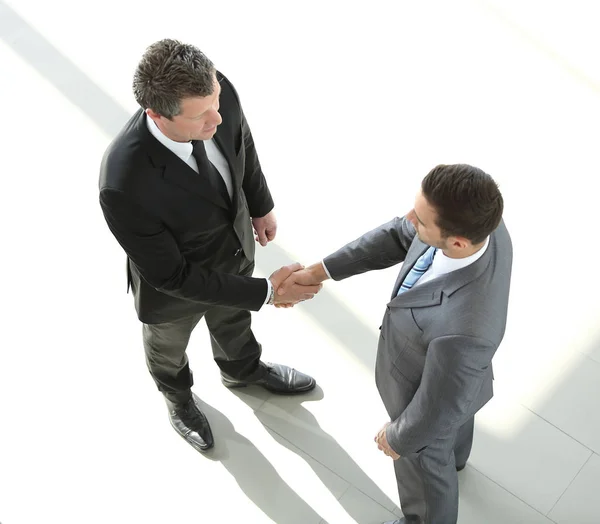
(351, 103)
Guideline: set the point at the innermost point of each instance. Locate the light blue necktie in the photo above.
(417, 270)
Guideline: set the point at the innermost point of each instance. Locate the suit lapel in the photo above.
(185, 177)
(420, 296)
(175, 170)
(430, 293)
(227, 151)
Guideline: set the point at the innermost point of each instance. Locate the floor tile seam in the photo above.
(511, 493)
(571, 483)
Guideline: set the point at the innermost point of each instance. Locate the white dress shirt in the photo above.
(184, 151)
(442, 264)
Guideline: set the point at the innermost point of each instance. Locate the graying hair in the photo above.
(170, 71)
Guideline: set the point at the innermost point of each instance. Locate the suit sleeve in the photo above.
(254, 182)
(255, 186)
(380, 248)
(455, 368)
(154, 251)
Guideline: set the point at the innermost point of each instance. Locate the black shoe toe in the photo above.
(277, 379)
(191, 424)
(286, 380)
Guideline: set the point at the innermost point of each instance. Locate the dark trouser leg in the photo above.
(464, 442)
(165, 346)
(428, 484)
(234, 346)
(235, 349)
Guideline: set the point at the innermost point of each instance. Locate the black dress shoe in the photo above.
(191, 424)
(460, 468)
(278, 379)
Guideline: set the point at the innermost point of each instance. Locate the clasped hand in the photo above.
(295, 283)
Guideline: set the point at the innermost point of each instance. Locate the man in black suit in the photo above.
(181, 189)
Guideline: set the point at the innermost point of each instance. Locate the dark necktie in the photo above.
(206, 168)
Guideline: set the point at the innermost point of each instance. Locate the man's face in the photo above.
(198, 119)
(423, 217)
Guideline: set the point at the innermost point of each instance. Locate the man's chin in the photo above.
(207, 135)
(425, 241)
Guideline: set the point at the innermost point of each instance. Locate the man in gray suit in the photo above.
(440, 330)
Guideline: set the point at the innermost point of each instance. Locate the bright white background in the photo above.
(350, 103)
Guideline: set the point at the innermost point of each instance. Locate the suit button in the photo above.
(237, 252)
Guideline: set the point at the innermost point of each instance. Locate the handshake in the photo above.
(295, 283)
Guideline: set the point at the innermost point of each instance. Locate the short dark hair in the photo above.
(170, 71)
(467, 201)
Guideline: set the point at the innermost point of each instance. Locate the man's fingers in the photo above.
(288, 282)
(296, 266)
(286, 271)
(289, 270)
(309, 290)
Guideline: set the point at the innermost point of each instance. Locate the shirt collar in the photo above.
(443, 264)
(182, 149)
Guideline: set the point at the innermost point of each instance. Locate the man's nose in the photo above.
(217, 119)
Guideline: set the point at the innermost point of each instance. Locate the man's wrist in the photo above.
(318, 272)
(270, 293)
(326, 271)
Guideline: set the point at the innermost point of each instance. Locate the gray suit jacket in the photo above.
(437, 340)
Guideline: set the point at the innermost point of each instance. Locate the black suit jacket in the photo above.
(185, 245)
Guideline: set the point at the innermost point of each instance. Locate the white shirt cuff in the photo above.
(325, 268)
(269, 287)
